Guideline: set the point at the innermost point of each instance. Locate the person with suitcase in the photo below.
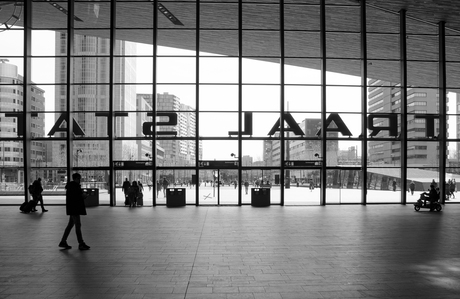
(37, 194)
(28, 206)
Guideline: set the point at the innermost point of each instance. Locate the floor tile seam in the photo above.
(196, 253)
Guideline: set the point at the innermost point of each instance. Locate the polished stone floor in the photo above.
(342, 251)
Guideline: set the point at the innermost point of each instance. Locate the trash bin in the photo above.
(93, 197)
(260, 197)
(175, 197)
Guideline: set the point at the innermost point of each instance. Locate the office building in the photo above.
(385, 97)
(178, 152)
(91, 96)
(11, 103)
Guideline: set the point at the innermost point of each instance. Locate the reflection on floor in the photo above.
(340, 251)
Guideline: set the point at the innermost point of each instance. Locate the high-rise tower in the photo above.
(385, 97)
(180, 151)
(91, 94)
(11, 100)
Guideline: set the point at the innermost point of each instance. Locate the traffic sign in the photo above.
(132, 164)
(302, 163)
(218, 164)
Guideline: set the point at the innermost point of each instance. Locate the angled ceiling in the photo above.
(344, 42)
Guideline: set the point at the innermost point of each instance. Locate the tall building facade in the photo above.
(11, 101)
(181, 152)
(91, 95)
(385, 97)
(144, 147)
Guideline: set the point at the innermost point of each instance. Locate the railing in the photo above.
(48, 188)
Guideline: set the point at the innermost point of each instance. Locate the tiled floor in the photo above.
(353, 251)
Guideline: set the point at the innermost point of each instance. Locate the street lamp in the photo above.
(149, 157)
(78, 151)
(317, 156)
(39, 166)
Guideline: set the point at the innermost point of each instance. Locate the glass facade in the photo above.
(319, 101)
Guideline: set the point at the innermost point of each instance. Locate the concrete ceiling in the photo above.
(134, 20)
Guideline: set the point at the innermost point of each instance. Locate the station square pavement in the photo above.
(338, 251)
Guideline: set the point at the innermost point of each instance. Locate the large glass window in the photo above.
(180, 80)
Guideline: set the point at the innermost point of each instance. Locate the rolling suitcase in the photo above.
(23, 206)
(140, 199)
(27, 207)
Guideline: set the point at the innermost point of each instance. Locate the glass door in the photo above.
(219, 187)
(183, 178)
(343, 185)
(302, 186)
(127, 177)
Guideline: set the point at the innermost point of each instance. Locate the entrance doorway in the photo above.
(343, 185)
(302, 186)
(219, 183)
(141, 177)
(183, 179)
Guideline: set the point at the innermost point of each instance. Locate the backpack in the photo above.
(132, 191)
(31, 189)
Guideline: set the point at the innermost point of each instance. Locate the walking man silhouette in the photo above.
(75, 206)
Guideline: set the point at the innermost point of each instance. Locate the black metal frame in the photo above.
(323, 56)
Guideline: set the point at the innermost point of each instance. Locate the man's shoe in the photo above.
(83, 246)
(44, 211)
(64, 245)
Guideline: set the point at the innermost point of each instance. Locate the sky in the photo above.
(340, 99)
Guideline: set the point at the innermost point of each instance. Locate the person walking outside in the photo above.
(37, 194)
(452, 188)
(165, 185)
(412, 187)
(246, 186)
(125, 187)
(132, 194)
(158, 187)
(75, 206)
(140, 195)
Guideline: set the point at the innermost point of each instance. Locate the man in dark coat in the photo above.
(75, 206)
